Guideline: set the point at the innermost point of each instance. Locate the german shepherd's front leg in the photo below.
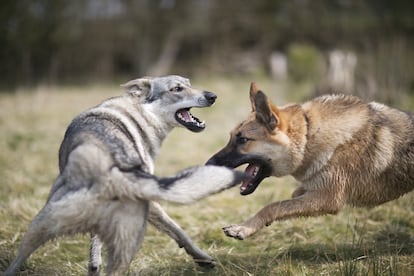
(313, 203)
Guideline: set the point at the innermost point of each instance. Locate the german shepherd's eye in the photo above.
(241, 140)
(177, 89)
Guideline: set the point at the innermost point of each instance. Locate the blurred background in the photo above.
(359, 46)
(59, 57)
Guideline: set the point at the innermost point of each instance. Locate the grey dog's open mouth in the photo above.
(184, 117)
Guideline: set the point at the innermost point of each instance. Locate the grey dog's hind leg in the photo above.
(95, 259)
(160, 219)
(38, 233)
(123, 235)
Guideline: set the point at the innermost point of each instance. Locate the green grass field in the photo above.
(379, 241)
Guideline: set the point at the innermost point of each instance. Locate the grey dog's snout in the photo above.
(210, 97)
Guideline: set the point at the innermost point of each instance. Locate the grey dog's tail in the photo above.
(185, 187)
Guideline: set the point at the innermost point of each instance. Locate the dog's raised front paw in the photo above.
(238, 231)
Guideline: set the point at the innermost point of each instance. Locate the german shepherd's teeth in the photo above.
(255, 171)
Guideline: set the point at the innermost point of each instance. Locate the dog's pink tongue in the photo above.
(186, 114)
(250, 171)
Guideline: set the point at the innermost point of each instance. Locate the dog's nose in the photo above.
(210, 96)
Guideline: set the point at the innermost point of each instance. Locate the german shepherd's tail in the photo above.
(185, 187)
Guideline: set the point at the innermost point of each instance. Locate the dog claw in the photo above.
(236, 231)
(201, 258)
(94, 270)
(206, 263)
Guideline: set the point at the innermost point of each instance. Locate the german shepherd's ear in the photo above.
(253, 92)
(139, 87)
(265, 112)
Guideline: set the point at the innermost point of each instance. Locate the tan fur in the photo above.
(340, 149)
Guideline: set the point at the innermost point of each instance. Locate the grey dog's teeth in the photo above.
(192, 120)
(182, 118)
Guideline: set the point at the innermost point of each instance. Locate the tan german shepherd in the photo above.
(340, 149)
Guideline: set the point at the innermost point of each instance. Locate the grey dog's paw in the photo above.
(200, 257)
(236, 231)
(206, 263)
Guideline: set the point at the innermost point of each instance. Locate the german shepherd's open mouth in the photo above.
(189, 121)
(257, 169)
(256, 172)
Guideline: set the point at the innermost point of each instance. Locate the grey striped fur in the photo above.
(106, 185)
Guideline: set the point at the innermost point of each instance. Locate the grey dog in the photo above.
(106, 185)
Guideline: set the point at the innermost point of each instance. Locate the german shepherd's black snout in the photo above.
(212, 161)
(210, 97)
(225, 157)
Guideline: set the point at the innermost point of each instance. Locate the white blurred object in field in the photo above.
(341, 70)
(278, 65)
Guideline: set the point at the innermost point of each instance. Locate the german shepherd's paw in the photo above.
(238, 231)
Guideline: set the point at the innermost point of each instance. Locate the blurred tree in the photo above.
(82, 40)
(26, 44)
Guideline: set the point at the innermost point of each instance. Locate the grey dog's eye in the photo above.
(177, 89)
(133, 88)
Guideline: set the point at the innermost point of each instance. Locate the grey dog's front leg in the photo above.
(95, 259)
(160, 219)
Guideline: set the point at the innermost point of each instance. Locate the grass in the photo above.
(379, 241)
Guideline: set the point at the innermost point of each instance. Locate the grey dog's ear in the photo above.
(139, 87)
